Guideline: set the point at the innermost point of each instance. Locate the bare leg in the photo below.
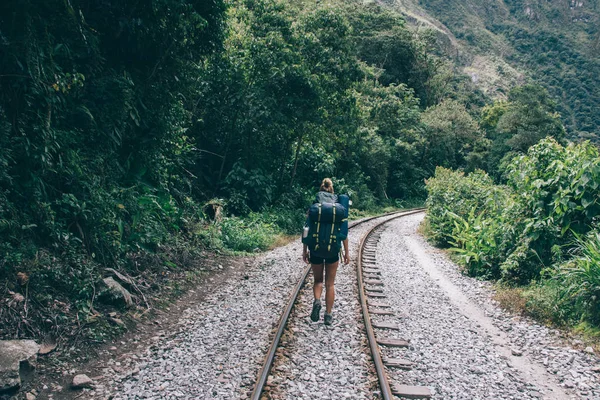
(330, 272)
(317, 270)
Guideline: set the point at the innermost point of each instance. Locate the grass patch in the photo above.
(589, 333)
(543, 302)
(251, 234)
(283, 240)
(511, 299)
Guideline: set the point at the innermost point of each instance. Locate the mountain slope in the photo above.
(500, 43)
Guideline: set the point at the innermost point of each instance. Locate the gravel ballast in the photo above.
(463, 345)
(326, 362)
(218, 347)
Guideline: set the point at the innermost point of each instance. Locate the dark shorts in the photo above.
(320, 260)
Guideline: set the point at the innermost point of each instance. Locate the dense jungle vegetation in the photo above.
(556, 43)
(138, 138)
(539, 230)
(530, 220)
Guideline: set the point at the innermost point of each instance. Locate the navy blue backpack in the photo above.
(327, 225)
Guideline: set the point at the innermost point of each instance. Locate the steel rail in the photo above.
(384, 384)
(270, 357)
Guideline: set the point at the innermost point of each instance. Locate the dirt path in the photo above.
(463, 345)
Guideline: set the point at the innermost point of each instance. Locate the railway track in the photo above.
(370, 297)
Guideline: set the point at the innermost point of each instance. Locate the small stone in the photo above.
(589, 350)
(583, 386)
(477, 370)
(516, 352)
(82, 381)
(29, 396)
(569, 384)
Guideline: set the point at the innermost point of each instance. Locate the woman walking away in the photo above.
(324, 236)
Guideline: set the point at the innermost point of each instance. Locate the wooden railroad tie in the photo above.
(378, 304)
(392, 342)
(372, 271)
(386, 325)
(367, 264)
(398, 363)
(381, 312)
(411, 392)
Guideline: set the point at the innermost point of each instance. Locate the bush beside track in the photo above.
(538, 232)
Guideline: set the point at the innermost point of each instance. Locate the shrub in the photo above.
(543, 220)
(474, 241)
(247, 234)
(580, 278)
(516, 231)
(454, 195)
(556, 189)
(546, 303)
(288, 221)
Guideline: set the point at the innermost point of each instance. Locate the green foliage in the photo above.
(580, 278)
(556, 45)
(515, 125)
(475, 242)
(249, 235)
(540, 227)
(558, 185)
(545, 302)
(452, 135)
(458, 198)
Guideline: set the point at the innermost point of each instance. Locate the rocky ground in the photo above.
(463, 345)
(326, 362)
(214, 349)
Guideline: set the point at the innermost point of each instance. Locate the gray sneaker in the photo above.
(328, 319)
(316, 310)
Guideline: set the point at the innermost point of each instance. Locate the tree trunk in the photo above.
(227, 147)
(298, 147)
(282, 167)
(218, 183)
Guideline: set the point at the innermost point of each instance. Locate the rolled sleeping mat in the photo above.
(344, 200)
(325, 214)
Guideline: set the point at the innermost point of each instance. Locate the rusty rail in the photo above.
(270, 357)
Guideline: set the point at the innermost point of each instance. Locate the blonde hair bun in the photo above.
(327, 185)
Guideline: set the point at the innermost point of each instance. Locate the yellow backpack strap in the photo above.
(318, 226)
(332, 228)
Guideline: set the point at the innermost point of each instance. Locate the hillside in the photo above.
(133, 140)
(501, 43)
